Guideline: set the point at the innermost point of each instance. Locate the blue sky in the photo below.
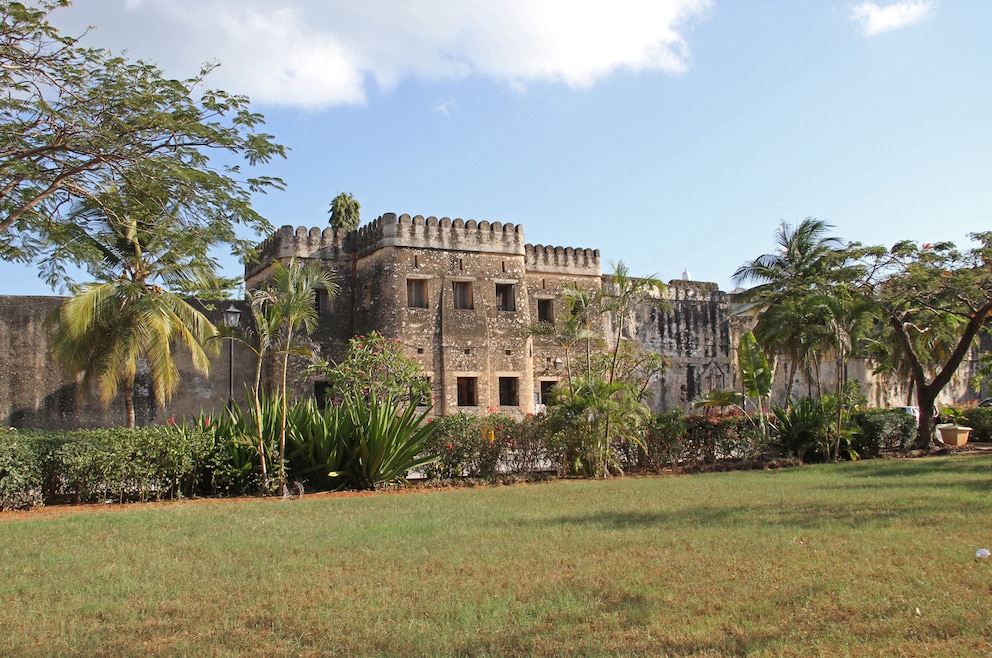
(669, 134)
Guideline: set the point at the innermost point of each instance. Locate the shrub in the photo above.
(883, 430)
(710, 438)
(129, 464)
(315, 448)
(980, 421)
(20, 471)
(526, 443)
(803, 430)
(664, 442)
(464, 446)
(381, 444)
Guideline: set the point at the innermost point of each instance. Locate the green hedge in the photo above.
(883, 430)
(487, 447)
(980, 422)
(106, 464)
(21, 476)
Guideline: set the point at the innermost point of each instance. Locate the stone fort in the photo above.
(460, 295)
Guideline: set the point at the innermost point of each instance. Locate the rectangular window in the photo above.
(546, 388)
(467, 393)
(504, 297)
(463, 294)
(508, 392)
(416, 293)
(545, 311)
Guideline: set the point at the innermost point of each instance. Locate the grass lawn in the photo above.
(859, 559)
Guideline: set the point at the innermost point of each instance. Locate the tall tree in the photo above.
(345, 212)
(135, 312)
(933, 289)
(807, 262)
(621, 296)
(288, 302)
(75, 121)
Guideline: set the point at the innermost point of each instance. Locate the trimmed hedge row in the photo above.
(883, 430)
(498, 445)
(167, 462)
(20, 472)
(107, 464)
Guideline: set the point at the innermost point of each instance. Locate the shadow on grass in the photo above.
(959, 471)
(959, 465)
(806, 516)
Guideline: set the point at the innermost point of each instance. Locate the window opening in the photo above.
(467, 392)
(508, 392)
(545, 311)
(416, 293)
(505, 300)
(463, 294)
(546, 388)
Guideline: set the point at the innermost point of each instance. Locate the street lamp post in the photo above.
(232, 319)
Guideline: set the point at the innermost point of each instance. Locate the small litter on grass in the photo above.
(982, 554)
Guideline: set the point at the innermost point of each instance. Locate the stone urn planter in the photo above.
(953, 435)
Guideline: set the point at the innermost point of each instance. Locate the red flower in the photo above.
(448, 447)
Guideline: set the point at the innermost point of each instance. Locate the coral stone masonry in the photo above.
(462, 296)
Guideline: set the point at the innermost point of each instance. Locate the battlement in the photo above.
(694, 290)
(419, 232)
(562, 260)
(328, 244)
(391, 230)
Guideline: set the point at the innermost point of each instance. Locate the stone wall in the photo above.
(35, 391)
(408, 277)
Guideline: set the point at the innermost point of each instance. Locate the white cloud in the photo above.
(446, 107)
(874, 19)
(314, 54)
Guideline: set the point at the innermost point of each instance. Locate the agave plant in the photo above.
(381, 444)
(316, 451)
(803, 429)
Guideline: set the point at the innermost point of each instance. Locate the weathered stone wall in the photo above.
(398, 275)
(35, 391)
(690, 324)
(486, 343)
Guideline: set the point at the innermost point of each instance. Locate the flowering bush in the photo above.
(488, 446)
(375, 368)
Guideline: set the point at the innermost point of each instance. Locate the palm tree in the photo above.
(807, 262)
(135, 315)
(575, 326)
(623, 294)
(288, 304)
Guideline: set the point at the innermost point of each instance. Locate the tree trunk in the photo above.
(256, 399)
(283, 484)
(926, 396)
(129, 403)
(790, 380)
